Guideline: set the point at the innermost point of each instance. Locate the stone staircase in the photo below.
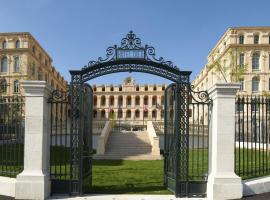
(128, 145)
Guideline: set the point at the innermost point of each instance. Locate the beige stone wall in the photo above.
(230, 43)
(107, 98)
(34, 62)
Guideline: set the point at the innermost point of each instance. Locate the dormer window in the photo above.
(103, 88)
(146, 88)
(256, 39)
(111, 88)
(137, 88)
(120, 88)
(155, 88)
(241, 39)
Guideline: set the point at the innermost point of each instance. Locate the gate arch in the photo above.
(132, 56)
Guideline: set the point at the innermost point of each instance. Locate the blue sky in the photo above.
(74, 32)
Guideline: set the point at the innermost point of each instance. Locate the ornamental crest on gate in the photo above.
(131, 48)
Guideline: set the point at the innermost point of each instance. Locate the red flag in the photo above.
(145, 109)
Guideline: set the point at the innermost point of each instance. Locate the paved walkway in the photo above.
(127, 197)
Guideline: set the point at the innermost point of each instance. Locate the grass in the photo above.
(145, 177)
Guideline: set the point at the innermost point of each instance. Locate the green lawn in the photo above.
(146, 177)
(116, 177)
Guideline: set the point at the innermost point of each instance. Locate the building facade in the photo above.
(129, 101)
(243, 55)
(23, 58)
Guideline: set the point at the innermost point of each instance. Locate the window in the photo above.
(111, 100)
(128, 114)
(155, 88)
(120, 101)
(137, 100)
(4, 44)
(255, 84)
(95, 88)
(111, 88)
(16, 86)
(103, 101)
(241, 39)
(128, 100)
(137, 88)
(120, 88)
(120, 114)
(240, 107)
(242, 60)
(103, 88)
(4, 64)
(269, 84)
(146, 88)
(255, 61)
(154, 100)
(95, 100)
(33, 49)
(241, 81)
(145, 100)
(145, 114)
(137, 114)
(17, 44)
(256, 39)
(163, 87)
(16, 64)
(254, 106)
(154, 114)
(103, 114)
(3, 86)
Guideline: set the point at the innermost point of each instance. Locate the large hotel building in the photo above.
(239, 47)
(23, 58)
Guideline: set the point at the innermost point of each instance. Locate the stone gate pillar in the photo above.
(223, 183)
(34, 181)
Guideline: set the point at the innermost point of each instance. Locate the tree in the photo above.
(233, 70)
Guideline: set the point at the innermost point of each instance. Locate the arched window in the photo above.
(111, 88)
(94, 114)
(241, 39)
(137, 101)
(137, 88)
(255, 84)
(146, 88)
(128, 100)
(163, 87)
(137, 114)
(145, 113)
(16, 64)
(4, 64)
(155, 88)
(3, 86)
(145, 100)
(162, 114)
(95, 100)
(120, 88)
(4, 44)
(154, 100)
(154, 114)
(16, 86)
(111, 99)
(17, 44)
(95, 88)
(120, 101)
(162, 100)
(120, 114)
(256, 39)
(103, 114)
(255, 61)
(128, 114)
(103, 101)
(103, 88)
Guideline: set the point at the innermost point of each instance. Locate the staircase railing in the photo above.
(103, 138)
(154, 139)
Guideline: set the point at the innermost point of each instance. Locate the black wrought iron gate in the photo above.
(186, 135)
(71, 149)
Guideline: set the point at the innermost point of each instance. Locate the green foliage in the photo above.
(233, 70)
